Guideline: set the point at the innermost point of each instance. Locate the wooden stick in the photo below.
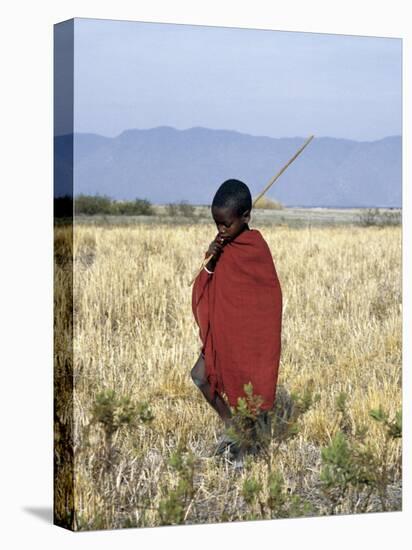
(271, 182)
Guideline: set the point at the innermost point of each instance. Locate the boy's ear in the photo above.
(246, 216)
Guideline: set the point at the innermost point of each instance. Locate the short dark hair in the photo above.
(234, 194)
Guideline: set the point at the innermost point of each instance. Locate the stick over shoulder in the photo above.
(271, 182)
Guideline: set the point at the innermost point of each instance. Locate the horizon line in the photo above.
(168, 127)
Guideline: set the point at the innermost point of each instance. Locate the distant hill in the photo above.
(168, 165)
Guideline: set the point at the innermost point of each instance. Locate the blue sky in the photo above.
(273, 83)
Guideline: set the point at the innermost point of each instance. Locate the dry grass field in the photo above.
(134, 333)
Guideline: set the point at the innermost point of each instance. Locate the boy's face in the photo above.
(228, 223)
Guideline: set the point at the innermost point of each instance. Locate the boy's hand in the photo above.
(215, 247)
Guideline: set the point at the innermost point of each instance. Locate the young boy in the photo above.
(237, 304)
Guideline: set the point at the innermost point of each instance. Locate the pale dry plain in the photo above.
(134, 332)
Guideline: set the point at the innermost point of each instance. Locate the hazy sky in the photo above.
(273, 83)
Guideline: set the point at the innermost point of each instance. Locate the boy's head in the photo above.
(231, 207)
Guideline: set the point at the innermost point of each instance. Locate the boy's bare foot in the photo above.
(237, 455)
(223, 443)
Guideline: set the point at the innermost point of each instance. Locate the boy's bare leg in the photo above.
(198, 374)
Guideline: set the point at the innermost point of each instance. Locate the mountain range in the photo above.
(168, 165)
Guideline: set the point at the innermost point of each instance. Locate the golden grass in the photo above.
(134, 332)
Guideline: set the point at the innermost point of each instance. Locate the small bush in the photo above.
(261, 431)
(91, 205)
(351, 470)
(183, 208)
(376, 217)
(112, 412)
(174, 506)
(172, 209)
(268, 204)
(137, 207)
(391, 218)
(97, 204)
(186, 209)
(274, 502)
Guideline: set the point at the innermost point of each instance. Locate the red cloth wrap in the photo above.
(239, 313)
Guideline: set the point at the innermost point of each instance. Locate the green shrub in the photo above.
(137, 207)
(376, 217)
(187, 210)
(266, 437)
(351, 469)
(96, 204)
(276, 502)
(173, 507)
(263, 431)
(90, 205)
(183, 208)
(112, 412)
(172, 209)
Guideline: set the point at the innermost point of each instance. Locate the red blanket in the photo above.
(239, 310)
